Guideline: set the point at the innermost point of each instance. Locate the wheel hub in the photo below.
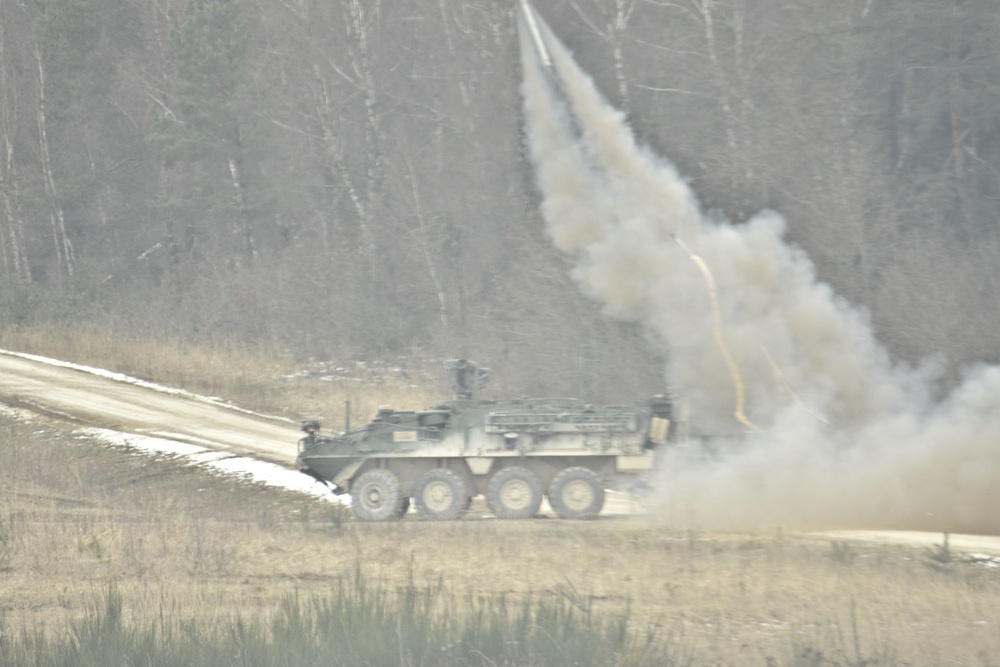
(577, 495)
(438, 496)
(373, 496)
(516, 494)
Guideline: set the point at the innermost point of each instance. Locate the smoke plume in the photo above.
(832, 433)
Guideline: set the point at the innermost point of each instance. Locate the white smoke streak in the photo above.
(847, 438)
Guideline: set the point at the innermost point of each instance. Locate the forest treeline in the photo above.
(348, 178)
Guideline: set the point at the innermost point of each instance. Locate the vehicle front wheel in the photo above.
(440, 494)
(576, 493)
(375, 496)
(514, 493)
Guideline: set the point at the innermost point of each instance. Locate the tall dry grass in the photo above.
(357, 622)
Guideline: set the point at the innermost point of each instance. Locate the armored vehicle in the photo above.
(511, 452)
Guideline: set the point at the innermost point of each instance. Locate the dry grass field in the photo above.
(82, 524)
(75, 516)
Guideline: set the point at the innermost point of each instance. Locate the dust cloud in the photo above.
(832, 433)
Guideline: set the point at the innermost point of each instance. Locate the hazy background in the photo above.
(349, 179)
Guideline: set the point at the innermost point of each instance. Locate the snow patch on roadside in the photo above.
(217, 462)
(167, 435)
(162, 445)
(14, 414)
(147, 445)
(262, 472)
(208, 456)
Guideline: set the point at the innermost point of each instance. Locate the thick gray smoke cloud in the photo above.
(836, 435)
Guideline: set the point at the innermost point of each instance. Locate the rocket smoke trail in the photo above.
(837, 435)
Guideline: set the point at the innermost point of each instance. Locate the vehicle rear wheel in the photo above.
(440, 494)
(375, 496)
(514, 493)
(576, 493)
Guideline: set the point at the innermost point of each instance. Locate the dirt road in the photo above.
(93, 397)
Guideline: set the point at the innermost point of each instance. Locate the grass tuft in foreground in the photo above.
(358, 622)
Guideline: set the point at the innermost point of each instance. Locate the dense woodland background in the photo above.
(348, 178)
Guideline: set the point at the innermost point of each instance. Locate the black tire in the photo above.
(514, 493)
(375, 496)
(440, 495)
(576, 493)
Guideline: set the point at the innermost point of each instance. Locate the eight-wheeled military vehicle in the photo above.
(512, 452)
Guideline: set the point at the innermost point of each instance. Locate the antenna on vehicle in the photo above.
(468, 378)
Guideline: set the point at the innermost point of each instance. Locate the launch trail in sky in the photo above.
(833, 433)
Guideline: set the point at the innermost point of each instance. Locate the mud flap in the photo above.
(346, 473)
(634, 462)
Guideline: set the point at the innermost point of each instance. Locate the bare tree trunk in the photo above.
(15, 258)
(335, 153)
(361, 62)
(364, 192)
(960, 129)
(424, 249)
(64, 247)
(615, 23)
(706, 9)
(239, 191)
(732, 85)
(360, 52)
(616, 28)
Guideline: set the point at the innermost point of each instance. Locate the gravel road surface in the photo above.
(93, 397)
